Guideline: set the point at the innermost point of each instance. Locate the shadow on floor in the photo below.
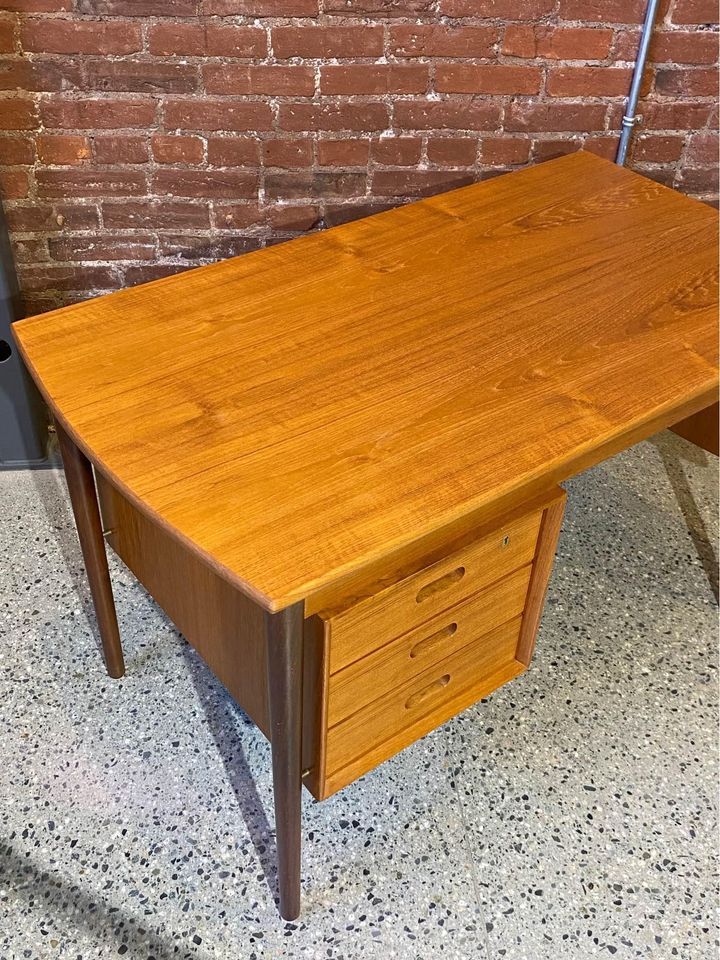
(110, 926)
(672, 452)
(227, 723)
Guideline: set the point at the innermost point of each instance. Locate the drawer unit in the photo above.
(392, 666)
(404, 657)
(357, 631)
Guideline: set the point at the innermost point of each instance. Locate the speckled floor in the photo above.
(573, 814)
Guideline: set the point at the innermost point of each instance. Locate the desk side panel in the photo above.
(224, 625)
(702, 429)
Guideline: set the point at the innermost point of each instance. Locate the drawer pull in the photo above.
(442, 583)
(422, 646)
(421, 695)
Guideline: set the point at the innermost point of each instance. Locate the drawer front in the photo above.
(359, 630)
(399, 661)
(381, 728)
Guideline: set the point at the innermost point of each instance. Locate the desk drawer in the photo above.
(369, 624)
(381, 728)
(404, 658)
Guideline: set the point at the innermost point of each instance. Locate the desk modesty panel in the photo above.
(334, 462)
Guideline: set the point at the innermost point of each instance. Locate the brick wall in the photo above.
(140, 137)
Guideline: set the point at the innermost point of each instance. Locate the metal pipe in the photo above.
(630, 118)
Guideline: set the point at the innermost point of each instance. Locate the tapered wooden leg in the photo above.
(83, 497)
(284, 632)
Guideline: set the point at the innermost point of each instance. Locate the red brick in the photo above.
(29, 251)
(260, 8)
(338, 213)
(602, 146)
(50, 218)
(321, 42)
(603, 11)
(205, 114)
(626, 46)
(417, 183)
(97, 113)
(550, 117)
(438, 40)
(382, 8)
(293, 218)
(137, 8)
(205, 183)
(679, 47)
(702, 149)
(501, 151)
(343, 153)
(38, 6)
(333, 116)
(17, 114)
(673, 116)
(556, 43)
(155, 215)
(166, 149)
(288, 154)
(687, 83)
(39, 75)
(66, 151)
(89, 183)
(141, 76)
(447, 114)
(314, 184)
(699, 180)
(453, 151)
(240, 79)
(542, 150)
(80, 36)
(121, 150)
(102, 248)
(494, 78)
(695, 11)
(233, 152)
(374, 79)
(498, 9)
(7, 36)
(396, 151)
(44, 279)
(199, 40)
(147, 272)
(202, 247)
(237, 216)
(588, 82)
(657, 149)
(14, 184)
(14, 150)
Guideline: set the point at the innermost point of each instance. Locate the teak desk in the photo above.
(334, 462)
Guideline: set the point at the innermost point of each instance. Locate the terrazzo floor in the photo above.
(573, 814)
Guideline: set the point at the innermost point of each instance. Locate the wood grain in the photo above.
(397, 662)
(296, 414)
(390, 724)
(357, 631)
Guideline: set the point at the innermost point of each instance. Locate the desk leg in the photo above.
(83, 497)
(284, 634)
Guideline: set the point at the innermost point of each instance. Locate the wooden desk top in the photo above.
(298, 412)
